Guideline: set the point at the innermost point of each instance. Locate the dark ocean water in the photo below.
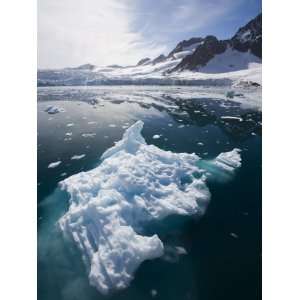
(223, 259)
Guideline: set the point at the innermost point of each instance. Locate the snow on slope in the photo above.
(216, 73)
(110, 205)
(188, 50)
(229, 61)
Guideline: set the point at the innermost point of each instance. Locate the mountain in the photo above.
(247, 39)
(143, 61)
(195, 61)
(85, 67)
(159, 59)
(186, 45)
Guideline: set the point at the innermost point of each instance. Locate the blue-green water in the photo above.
(223, 258)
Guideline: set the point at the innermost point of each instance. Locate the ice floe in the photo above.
(76, 157)
(172, 254)
(68, 139)
(88, 135)
(54, 164)
(156, 136)
(153, 293)
(234, 235)
(111, 205)
(228, 161)
(231, 118)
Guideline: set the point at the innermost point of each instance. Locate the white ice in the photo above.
(229, 161)
(229, 61)
(76, 157)
(88, 135)
(111, 205)
(153, 293)
(231, 118)
(54, 164)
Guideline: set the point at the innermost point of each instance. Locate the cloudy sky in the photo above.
(104, 32)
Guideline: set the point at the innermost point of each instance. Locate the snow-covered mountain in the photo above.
(245, 46)
(197, 61)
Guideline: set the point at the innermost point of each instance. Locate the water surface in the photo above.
(223, 258)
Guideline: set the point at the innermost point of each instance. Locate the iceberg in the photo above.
(156, 136)
(228, 161)
(54, 164)
(112, 205)
(88, 135)
(77, 157)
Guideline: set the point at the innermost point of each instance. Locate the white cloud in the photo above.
(73, 32)
(103, 32)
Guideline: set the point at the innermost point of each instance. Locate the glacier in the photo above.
(134, 185)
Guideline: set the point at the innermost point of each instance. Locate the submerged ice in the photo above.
(134, 185)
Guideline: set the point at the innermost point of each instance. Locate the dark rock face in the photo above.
(185, 43)
(247, 38)
(203, 54)
(143, 61)
(158, 59)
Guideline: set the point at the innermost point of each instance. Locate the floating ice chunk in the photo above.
(51, 109)
(171, 253)
(180, 126)
(231, 118)
(112, 125)
(88, 135)
(70, 124)
(156, 136)
(92, 122)
(234, 235)
(68, 133)
(76, 157)
(223, 166)
(153, 293)
(134, 185)
(180, 250)
(54, 164)
(229, 161)
(200, 144)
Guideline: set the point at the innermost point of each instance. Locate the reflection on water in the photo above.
(223, 248)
